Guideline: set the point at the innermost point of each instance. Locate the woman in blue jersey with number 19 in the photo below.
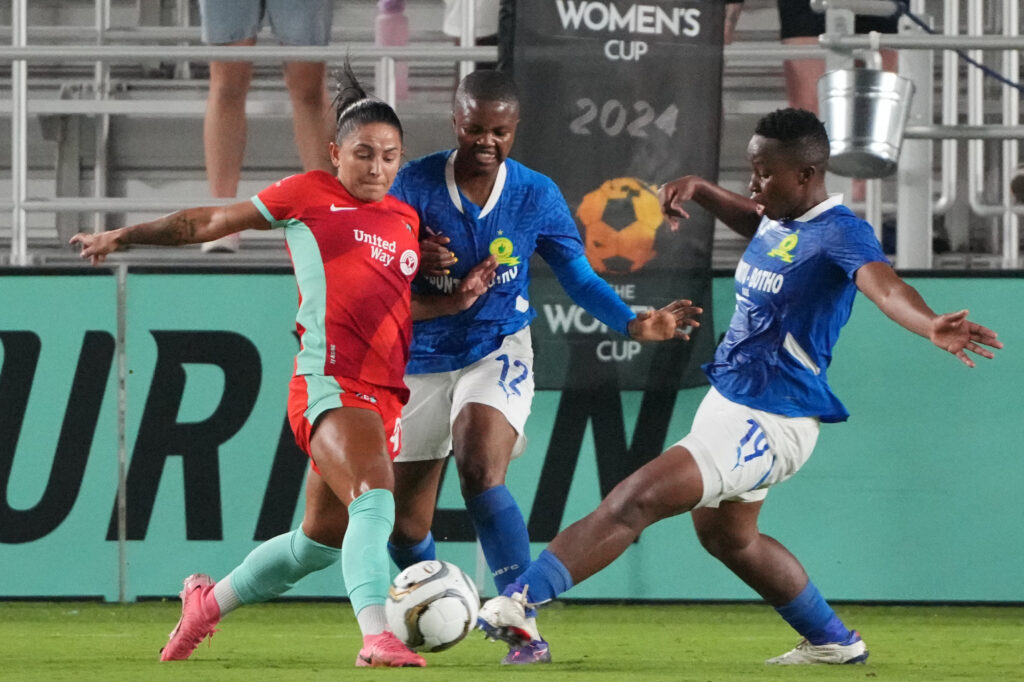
(471, 374)
(795, 286)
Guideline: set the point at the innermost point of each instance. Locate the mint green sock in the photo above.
(274, 567)
(364, 552)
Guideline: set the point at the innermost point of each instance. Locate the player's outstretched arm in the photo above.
(952, 332)
(738, 212)
(598, 298)
(190, 226)
(670, 322)
(473, 286)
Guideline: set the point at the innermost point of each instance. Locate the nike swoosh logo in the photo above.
(342, 208)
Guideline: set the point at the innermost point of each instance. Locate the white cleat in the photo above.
(504, 618)
(852, 650)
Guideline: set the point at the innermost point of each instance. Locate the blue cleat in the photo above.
(535, 651)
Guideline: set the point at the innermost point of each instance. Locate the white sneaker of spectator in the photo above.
(226, 244)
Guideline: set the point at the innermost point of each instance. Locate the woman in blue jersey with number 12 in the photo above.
(471, 374)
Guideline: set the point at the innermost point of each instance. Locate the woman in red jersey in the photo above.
(355, 251)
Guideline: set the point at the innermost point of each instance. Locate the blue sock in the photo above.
(404, 557)
(546, 578)
(364, 554)
(502, 532)
(811, 616)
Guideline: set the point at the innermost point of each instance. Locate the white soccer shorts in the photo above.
(741, 452)
(502, 380)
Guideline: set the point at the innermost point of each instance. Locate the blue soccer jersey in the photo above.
(794, 291)
(525, 213)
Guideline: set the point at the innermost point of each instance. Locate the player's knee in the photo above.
(368, 471)
(230, 87)
(711, 542)
(477, 475)
(409, 530)
(721, 544)
(304, 90)
(632, 506)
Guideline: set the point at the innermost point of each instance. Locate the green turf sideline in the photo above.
(318, 641)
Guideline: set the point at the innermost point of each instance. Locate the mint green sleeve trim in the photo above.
(274, 222)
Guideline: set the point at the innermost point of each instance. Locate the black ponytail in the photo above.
(353, 108)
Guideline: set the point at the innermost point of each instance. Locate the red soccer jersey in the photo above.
(354, 262)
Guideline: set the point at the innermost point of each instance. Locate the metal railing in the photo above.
(19, 54)
(915, 249)
(914, 240)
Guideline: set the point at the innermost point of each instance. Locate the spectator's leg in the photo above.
(224, 125)
(890, 60)
(802, 76)
(311, 116)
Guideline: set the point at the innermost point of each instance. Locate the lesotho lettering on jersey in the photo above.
(636, 19)
(380, 248)
(751, 277)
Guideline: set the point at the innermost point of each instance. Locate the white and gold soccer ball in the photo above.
(432, 605)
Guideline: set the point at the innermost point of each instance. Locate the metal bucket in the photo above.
(865, 112)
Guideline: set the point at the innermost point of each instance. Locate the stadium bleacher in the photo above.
(155, 138)
(155, 107)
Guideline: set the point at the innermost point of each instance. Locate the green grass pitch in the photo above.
(318, 641)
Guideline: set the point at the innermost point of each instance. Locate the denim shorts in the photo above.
(293, 22)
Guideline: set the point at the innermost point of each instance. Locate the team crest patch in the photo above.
(502, 248)
(785, 247)
(408, 262)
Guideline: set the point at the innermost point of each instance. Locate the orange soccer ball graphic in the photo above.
(620, 219)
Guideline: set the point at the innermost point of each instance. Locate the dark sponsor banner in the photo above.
(618, 97)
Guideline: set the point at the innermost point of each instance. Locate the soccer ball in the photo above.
(432, 605)
(620, 219)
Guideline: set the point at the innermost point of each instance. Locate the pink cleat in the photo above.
(387, 651)
(196, 622)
